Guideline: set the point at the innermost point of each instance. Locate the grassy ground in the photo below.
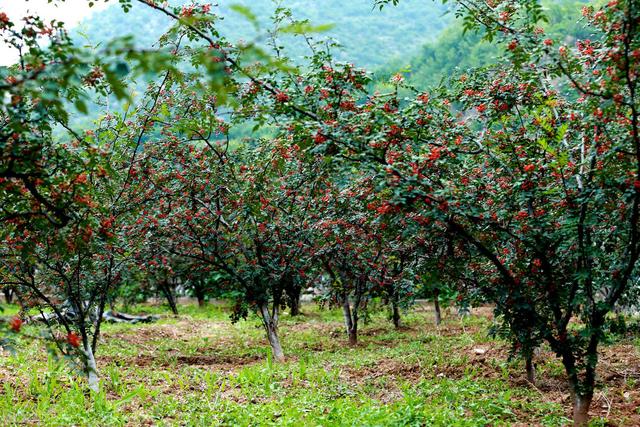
(199, 369)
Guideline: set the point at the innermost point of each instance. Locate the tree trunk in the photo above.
(295, 305)
(531, 370)
(90, 366)
(166, 290)
(396, 314)
(581, 404)
(8, 295)
(349, 322)
(200, 293)
(293, 292)
(271, 327)
(97, 324)
(436, 306)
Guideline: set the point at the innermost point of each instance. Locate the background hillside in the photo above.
(416, 37)
(453, 50)
(370, 37)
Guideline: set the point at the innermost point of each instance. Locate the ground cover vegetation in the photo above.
(513, 186)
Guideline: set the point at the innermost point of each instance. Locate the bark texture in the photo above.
(271, 327)
(91, 368)
(350, 322)
(581, 404)
(531, 370)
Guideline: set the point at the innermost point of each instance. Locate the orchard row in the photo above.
(517, 184)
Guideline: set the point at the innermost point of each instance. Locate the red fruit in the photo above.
(15, 324)
(319, 138)
(529, 168)
(81, 179)
(424, 98)
(281, 96)
(74, 339)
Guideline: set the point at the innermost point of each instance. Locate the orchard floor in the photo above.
(199, 369)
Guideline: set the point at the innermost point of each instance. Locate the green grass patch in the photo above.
(198, 369)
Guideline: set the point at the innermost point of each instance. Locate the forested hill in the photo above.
(454, 50)
(370, 37)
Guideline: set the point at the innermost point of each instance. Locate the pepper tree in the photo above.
(531, 165)
(61, 200)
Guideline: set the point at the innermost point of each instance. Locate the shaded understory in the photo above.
(199, 369)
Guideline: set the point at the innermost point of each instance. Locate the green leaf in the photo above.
(246, 12)
(122, 69)
(81, 106)
(561, 132)
(305, 28)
